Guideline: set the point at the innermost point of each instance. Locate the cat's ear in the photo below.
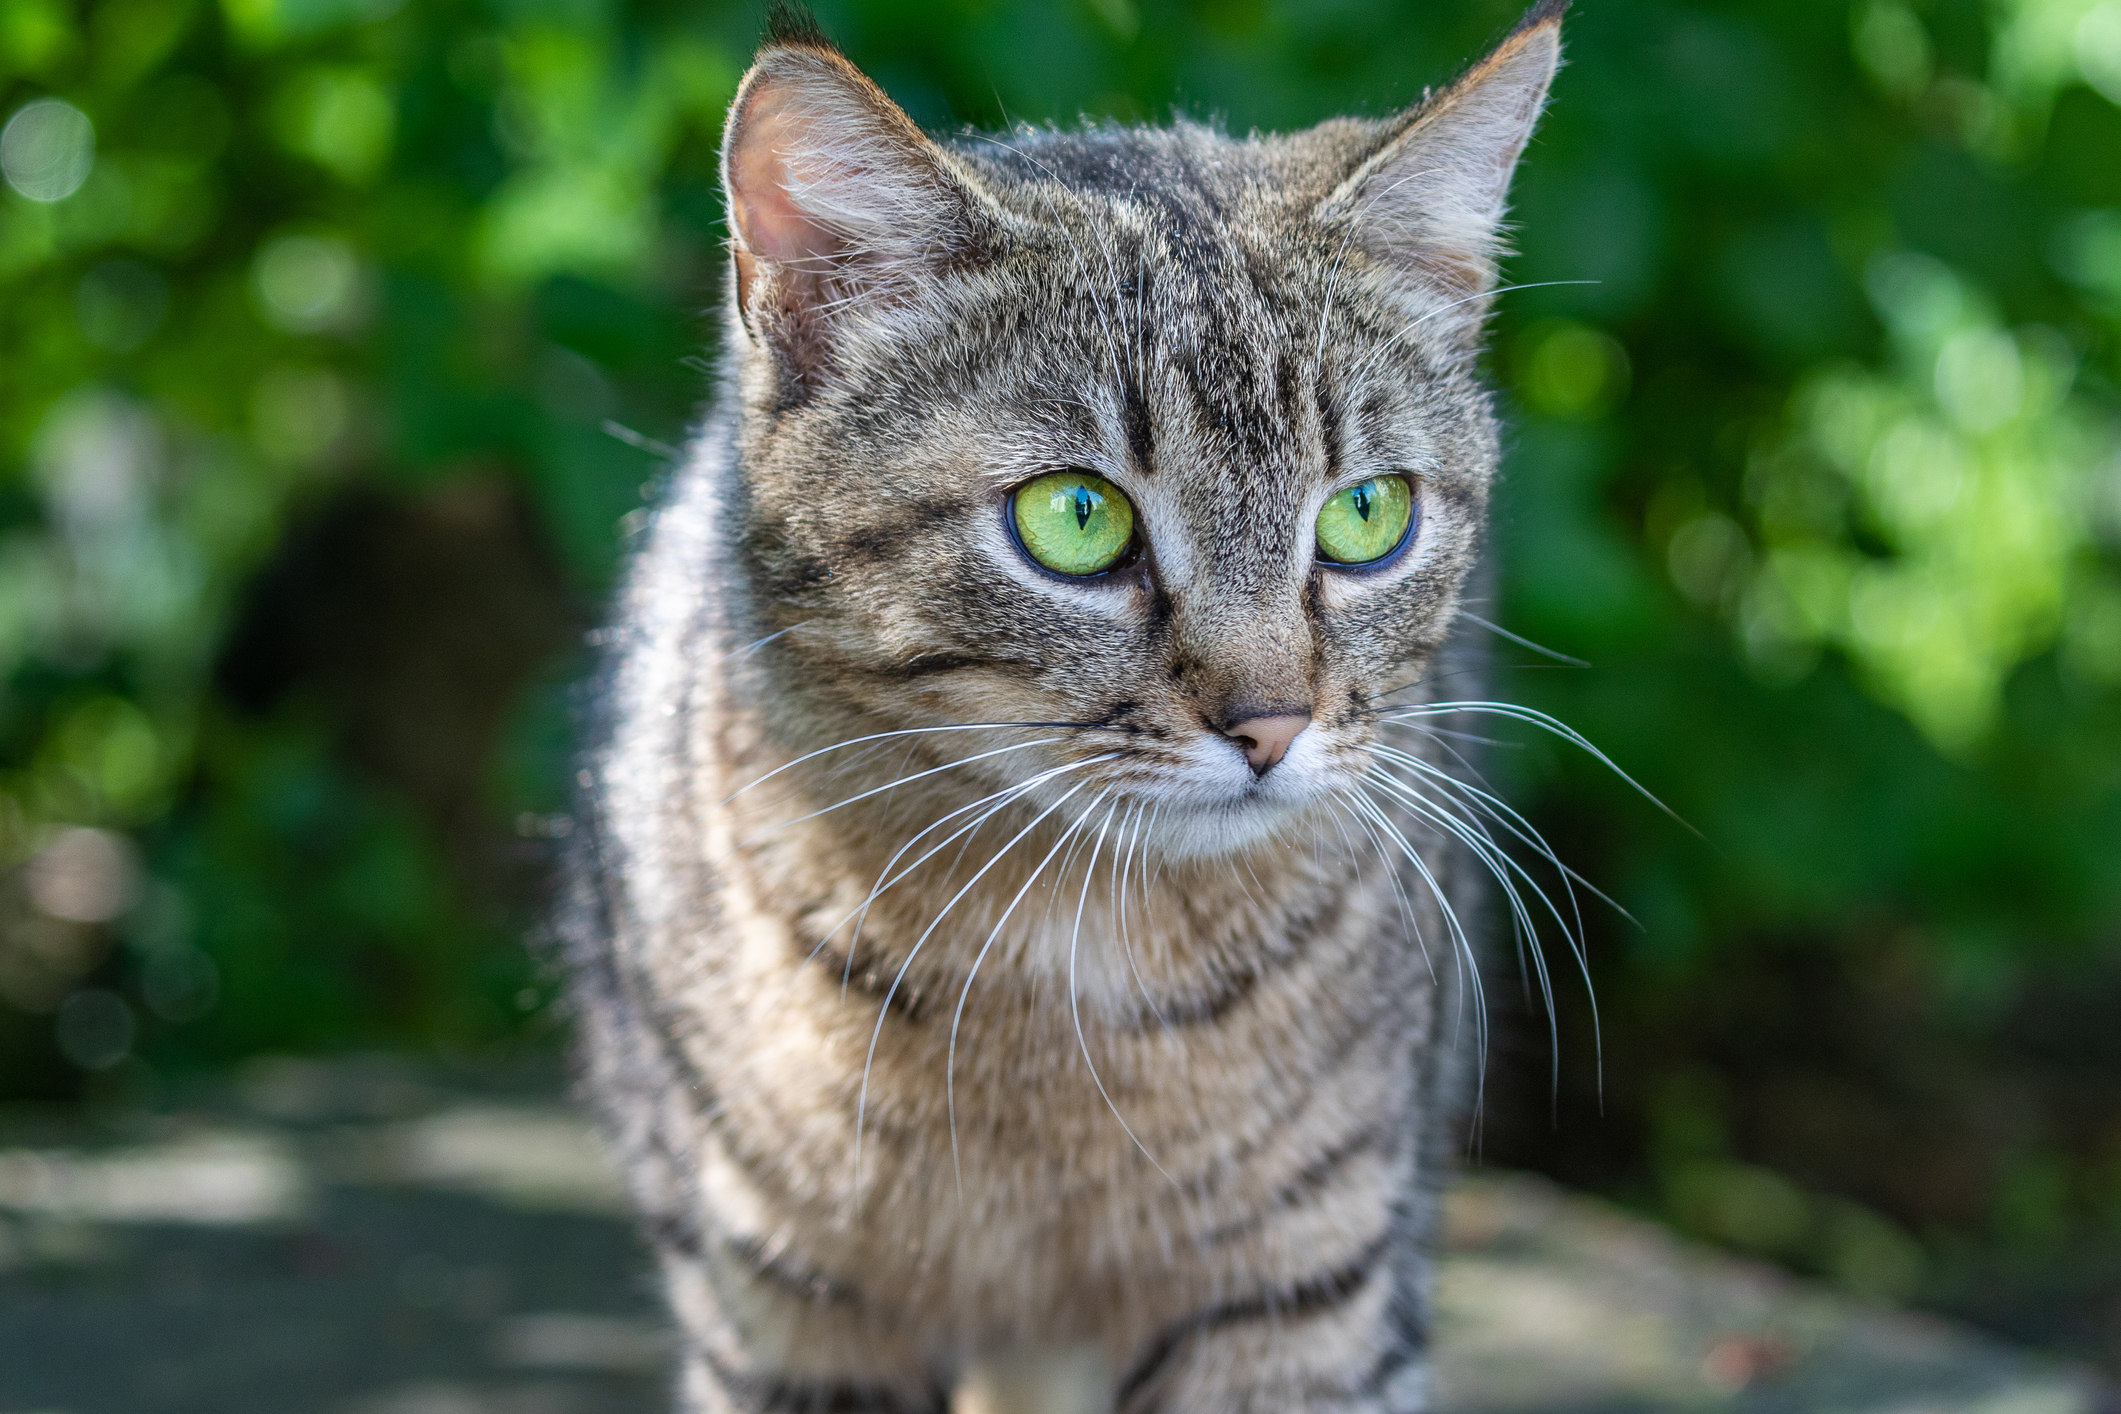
(1429, 200)
(837, 200)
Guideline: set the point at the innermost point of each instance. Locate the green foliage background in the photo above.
(339, 338)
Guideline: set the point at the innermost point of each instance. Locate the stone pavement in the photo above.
(348, 1240)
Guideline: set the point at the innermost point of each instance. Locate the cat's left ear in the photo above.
(1429, 201)
(838, 202)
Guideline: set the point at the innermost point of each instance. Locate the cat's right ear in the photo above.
(838, 203)
(1429, 201)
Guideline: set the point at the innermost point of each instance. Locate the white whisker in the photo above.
(883, 1010)
(1075, 1007)
(1387, 346)
(1499, 810)
(1534, 717)
(1522, 641)
(907, 780)
(885, 879)
(1406, 905)
(964, 994)
(1462, 946)
(1502, 867)
(1468, 797)
(756, 644)
(882, 736)
(1140, 811)
(1135, 849)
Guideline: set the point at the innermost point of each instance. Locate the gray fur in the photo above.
(1167, 1086)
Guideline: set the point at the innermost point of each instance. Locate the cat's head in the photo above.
(1173, 437)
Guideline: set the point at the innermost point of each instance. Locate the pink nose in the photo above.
(1266, 739)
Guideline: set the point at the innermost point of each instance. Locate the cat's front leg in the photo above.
(764, 1335)
(1351, 1341)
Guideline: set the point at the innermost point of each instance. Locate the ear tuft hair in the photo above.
(1541, 13)
(790, 23)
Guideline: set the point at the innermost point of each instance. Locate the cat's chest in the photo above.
(992, 1170)
(1080, 1060)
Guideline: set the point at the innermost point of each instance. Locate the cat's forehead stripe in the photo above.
(1184, 282)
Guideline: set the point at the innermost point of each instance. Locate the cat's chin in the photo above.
(1216, 830)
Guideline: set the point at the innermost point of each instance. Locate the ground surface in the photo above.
(351, 1240)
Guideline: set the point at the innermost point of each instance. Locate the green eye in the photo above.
(1366, 522)
(1075, 522)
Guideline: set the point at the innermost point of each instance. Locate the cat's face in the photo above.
(1060, 454)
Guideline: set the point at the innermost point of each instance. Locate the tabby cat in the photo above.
(1022, 932)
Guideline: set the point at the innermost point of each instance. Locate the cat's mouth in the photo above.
(1219, 805)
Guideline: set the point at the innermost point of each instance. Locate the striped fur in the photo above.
(1140, 1063)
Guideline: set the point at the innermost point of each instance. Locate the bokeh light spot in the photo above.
(47, 149)
(308, 284)
(1571, 370)
(85, 876)
(298, 414)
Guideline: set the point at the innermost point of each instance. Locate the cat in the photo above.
(1022, 931)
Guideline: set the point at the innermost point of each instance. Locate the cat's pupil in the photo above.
(1084, 504)
(1362, 500)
